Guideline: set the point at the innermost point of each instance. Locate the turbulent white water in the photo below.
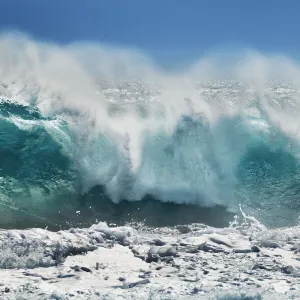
(220, 132)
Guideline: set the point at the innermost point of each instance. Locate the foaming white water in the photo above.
(139, 129)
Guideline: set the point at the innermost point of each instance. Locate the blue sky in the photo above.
(168, 29)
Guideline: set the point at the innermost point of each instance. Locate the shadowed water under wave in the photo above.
(96, 206)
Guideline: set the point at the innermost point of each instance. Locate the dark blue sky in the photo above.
(165, 28)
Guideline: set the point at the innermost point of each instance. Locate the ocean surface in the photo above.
(85, 140)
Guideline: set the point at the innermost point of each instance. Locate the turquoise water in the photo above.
(198, 172)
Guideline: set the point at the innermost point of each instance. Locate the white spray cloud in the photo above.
(66, 81)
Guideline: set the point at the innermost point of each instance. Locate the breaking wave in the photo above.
(96, 126)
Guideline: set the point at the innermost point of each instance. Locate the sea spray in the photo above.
(80, 116)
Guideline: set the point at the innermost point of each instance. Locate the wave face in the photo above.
(87, 126)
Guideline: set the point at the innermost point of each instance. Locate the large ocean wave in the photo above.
(89, 126)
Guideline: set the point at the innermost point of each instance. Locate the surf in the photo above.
(82, 116)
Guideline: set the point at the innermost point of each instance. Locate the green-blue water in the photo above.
(43, 181)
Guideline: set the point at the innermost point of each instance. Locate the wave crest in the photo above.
(76, 117)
